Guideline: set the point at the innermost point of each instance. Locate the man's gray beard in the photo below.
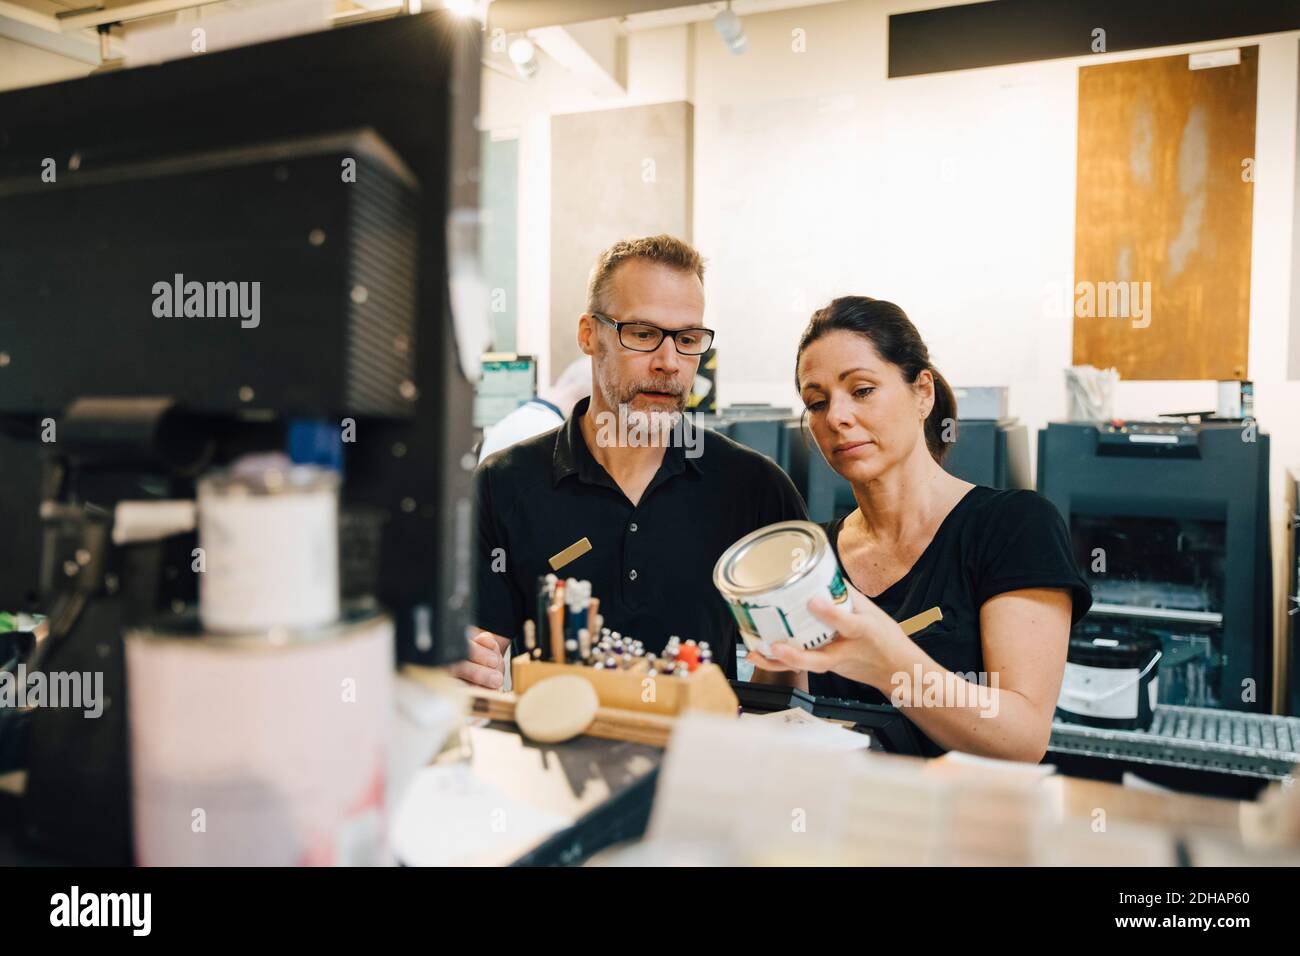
(657, 424)
(616, 399)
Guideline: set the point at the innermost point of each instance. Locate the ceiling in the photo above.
(516, 15)
(68, 27)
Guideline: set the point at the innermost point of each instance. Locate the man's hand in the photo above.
(486, 665)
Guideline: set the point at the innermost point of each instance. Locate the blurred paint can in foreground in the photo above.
(269, 542)
(768, 577)
(261, 749)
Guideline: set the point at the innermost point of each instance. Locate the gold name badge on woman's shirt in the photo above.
(921, 621)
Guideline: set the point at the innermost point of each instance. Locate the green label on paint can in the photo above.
(839, 591)
(743, 620)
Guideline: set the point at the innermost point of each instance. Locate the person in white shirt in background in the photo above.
(548, 410)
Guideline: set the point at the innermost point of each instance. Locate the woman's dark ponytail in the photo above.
(941, 423)
(896, 340)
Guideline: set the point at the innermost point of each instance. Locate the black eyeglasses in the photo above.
(640, 337)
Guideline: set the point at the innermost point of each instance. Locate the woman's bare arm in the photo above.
(1006, 712)
(1025, 635)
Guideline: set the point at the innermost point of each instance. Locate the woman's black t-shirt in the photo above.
(991, 542)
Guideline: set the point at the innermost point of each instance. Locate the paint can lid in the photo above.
(272, 474)
(770, 558)
(1118, 648)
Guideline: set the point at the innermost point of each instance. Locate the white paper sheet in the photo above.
(449, 817)
(798, 724)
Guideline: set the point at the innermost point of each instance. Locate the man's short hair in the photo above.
(663, 249)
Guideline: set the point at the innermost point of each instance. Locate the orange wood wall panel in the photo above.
(1163, 198)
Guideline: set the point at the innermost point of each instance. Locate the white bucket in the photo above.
(262, 749)
(270, 550)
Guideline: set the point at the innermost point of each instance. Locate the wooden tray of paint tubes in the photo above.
(634, 706)
(637, 696)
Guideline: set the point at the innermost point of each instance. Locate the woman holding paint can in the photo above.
(984, 678)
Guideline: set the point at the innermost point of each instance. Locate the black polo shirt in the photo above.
(651, 564)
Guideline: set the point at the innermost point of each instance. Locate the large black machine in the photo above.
(248, 251)
(1169, 524)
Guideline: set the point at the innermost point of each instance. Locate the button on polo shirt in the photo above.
(650, 564)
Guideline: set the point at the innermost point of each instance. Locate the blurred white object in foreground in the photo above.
(268, 536)
(261, 750)
(745, 792)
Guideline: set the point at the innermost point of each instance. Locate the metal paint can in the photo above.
(260, 749)
(269, 539)
(768, 577)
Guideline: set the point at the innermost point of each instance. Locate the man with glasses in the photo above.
(633, 513)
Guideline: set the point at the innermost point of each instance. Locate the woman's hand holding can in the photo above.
(869, 646)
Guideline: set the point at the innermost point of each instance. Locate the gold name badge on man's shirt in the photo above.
(572, 553)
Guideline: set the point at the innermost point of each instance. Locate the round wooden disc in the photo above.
(556, 709)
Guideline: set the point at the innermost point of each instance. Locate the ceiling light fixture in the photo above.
(730, 29)
(524, 56)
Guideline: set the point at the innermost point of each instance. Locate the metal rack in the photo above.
(1194, 738)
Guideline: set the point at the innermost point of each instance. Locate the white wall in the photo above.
(952, 195)
(658, 70)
